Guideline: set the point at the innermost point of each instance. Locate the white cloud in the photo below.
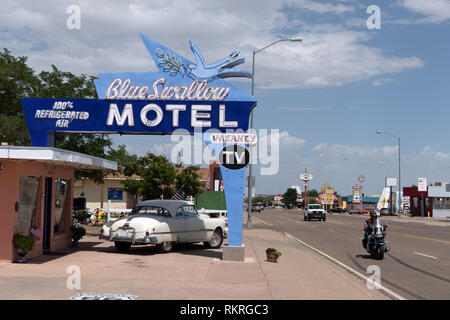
(323, 7)
(355, 153)
(435, 11)
(108, 39)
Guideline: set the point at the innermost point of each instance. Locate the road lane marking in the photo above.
(335, 222)
(419, 237)
(269, 224)
(356, 273)
(425, 255)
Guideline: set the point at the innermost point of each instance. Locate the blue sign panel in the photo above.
(115, 194)
(182, 94)
(130, 116)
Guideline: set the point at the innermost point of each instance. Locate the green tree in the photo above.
(158, 176)
(313, 193)
(188, 178)
(127, 163)
(290, 198)
(17, 81)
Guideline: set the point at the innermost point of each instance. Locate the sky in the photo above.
(327, 95)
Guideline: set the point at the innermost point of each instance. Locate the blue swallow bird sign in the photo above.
(180, 95)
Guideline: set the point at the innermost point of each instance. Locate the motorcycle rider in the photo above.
(371, 222)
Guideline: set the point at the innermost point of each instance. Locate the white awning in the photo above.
(56, 156)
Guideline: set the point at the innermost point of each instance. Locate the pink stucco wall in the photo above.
(9, 195)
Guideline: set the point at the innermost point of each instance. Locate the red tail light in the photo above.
(147, 234)
(101, 230)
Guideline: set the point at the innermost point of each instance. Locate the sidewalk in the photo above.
(190, 272)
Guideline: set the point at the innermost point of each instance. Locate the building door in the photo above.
(46, 235)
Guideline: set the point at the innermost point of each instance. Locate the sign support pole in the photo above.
(422, 206)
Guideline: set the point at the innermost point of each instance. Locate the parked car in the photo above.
(256, 207)
(338, 210)
(359, 211)
(164, 223)
(315, 211)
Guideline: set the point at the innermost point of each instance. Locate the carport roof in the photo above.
(56, 156)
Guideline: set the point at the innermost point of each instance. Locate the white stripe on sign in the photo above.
(425, 255)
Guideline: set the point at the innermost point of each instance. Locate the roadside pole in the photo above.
(109, 209)
(305, 177)
(422, 187)
(422, 207)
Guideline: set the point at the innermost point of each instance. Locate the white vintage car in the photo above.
(164, 223)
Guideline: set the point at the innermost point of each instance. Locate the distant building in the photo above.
(436, 200)
(368, 203)
(97, 195)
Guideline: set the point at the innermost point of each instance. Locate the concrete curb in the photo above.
(381, 288)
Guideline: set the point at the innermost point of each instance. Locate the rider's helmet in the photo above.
(374, 214)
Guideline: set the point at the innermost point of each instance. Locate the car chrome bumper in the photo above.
(146, 240)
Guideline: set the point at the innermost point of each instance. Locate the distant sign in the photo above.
(356, 195)
(361, 178)
(305, 176)
(391, 182)
(115, 194)
(405, 204)
(422, 184)
(327, 190)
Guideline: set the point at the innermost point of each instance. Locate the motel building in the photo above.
(36, 196)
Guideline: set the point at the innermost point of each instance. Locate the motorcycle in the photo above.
(375, 242)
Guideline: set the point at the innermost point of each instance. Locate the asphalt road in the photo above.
(416, 267)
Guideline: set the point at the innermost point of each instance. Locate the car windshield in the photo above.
(151, 211)
(315, 206)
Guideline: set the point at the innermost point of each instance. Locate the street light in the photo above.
(249, 192)
(399, 181)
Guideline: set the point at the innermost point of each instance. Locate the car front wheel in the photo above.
(216, 240)
(165, 247)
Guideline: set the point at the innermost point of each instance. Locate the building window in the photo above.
(446, 203)
(415, 202)
(61, 203)
(427, 202)
(438, 203)
(28, 204)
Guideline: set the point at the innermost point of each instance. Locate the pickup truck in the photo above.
(315, 211)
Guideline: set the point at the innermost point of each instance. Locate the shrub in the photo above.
(273, 251)
(25, 243)
(77, 230)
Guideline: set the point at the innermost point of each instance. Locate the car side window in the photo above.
(154, 211)
(189, 211)
(179, 212)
